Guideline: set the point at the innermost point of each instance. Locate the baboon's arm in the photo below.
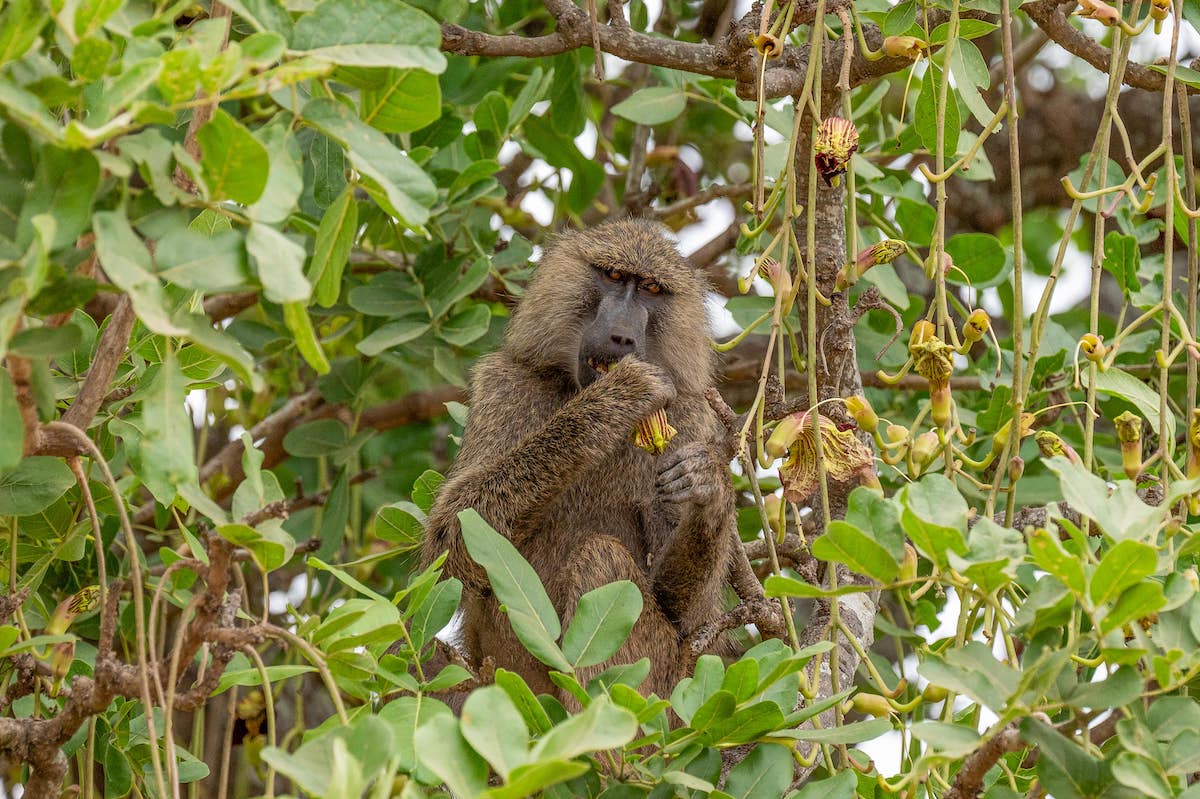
(690, 573)
(509, 478)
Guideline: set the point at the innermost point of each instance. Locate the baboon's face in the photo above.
(620, 322)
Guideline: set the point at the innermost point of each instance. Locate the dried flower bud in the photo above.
(1129, 433)
(1016, 468)
(977, 325)
(903, 47)
(1101, 11)
(1093, 347)
(864, 415)
(835, 144)
(653, 433)
(1050, 444)
(881, 252)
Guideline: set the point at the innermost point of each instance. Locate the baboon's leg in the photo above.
(600, 560)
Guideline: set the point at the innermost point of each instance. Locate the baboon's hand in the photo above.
(690, 474)
(646, 386)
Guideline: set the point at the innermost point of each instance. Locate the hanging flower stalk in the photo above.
(847, 460)
(1129, 433)
(932, 361)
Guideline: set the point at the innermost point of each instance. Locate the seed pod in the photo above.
(1129, 433)
(1016, 468)
(863, 413)
(653, 433)
(835, 144)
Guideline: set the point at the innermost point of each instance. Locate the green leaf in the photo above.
(845, 543)
(335, 237)
(399, 185)
(766, 771)
(12, 428)
(317, 439)
(967, 29)
(203, 262)
(63, 186)
(981, 257)
(900, 18)
(494, 728)
(467, 326)
(935, 517)
(441, 747)
(34, 485)
(252, 677)
(46, 342)
(974, 671)
(270, 547)
(90, 15)
(517, 587)
(1118, 383)
(531, 779)
(1067, 770)
(652, 106)
(435, 611)
(167, 448)
(602, 725)
(234, 163)
(602, 623)
(1137, 602)
(854, 733)
(400, 523)
(926, 119)
(285, 178)
(295, 316)
(1048, 553)
(20, 23)
(1127, 563)
(1122, 259)
(1121, 515)
(280, 264)
(1142, 775)
(948, 740)
(334, 515)
(371, 33)
(393, 334)
(127, 264)
(404, 101)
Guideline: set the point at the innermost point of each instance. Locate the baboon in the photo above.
(611, 329)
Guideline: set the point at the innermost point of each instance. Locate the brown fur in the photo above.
(550, 466)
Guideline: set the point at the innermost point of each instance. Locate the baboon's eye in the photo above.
(651, 287)
(615, 275)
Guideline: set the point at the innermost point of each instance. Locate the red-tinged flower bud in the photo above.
(941, 404)
(931, 265)
(779, 278)
(653, 433)
(1093, 347)
(835, 144)
(909, 47)
(61, 656)
(908, 566)
(977, 325)
(1129, 433)
(862, 412)
(895, 433)
(1016, 468)
(785, 433)
(1050, 444)
(1099, 10)
(872, 705)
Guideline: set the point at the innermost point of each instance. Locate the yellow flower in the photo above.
(846, 459)
(932, 360)
(653, 433)
(881, 252)
(903, 47)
